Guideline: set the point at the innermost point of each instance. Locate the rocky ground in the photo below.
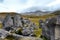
(25, 38)
(17, 28)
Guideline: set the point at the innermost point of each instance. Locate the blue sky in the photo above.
(21, 5)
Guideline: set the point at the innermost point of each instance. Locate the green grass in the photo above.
(35, 19)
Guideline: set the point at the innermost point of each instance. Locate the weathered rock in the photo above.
(40, 23)
(17, 21)
(26, 21)
(52, 28)
(8, 22)
(3, 33)
(26, 32)
(30, 38)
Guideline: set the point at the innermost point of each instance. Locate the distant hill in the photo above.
(37, 13)
(3, 14)
(56, 12)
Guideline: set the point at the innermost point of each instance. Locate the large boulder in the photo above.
(17, 21)
(8, 22)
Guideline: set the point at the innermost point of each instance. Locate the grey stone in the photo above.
(51, 28)
(17, 21)
(8, 22)
(3, 33)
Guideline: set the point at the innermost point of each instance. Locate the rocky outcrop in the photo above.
(11, 24)
(51, 28)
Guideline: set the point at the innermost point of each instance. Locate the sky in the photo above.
(22, 5)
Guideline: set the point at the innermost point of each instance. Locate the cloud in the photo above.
(53, 3)
(15, 5)
(20, 5)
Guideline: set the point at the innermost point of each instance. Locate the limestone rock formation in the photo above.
(51, 28)
(12, 24)
(17, 21)
(8, 22)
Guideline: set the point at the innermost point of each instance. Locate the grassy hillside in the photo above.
(36, 19)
